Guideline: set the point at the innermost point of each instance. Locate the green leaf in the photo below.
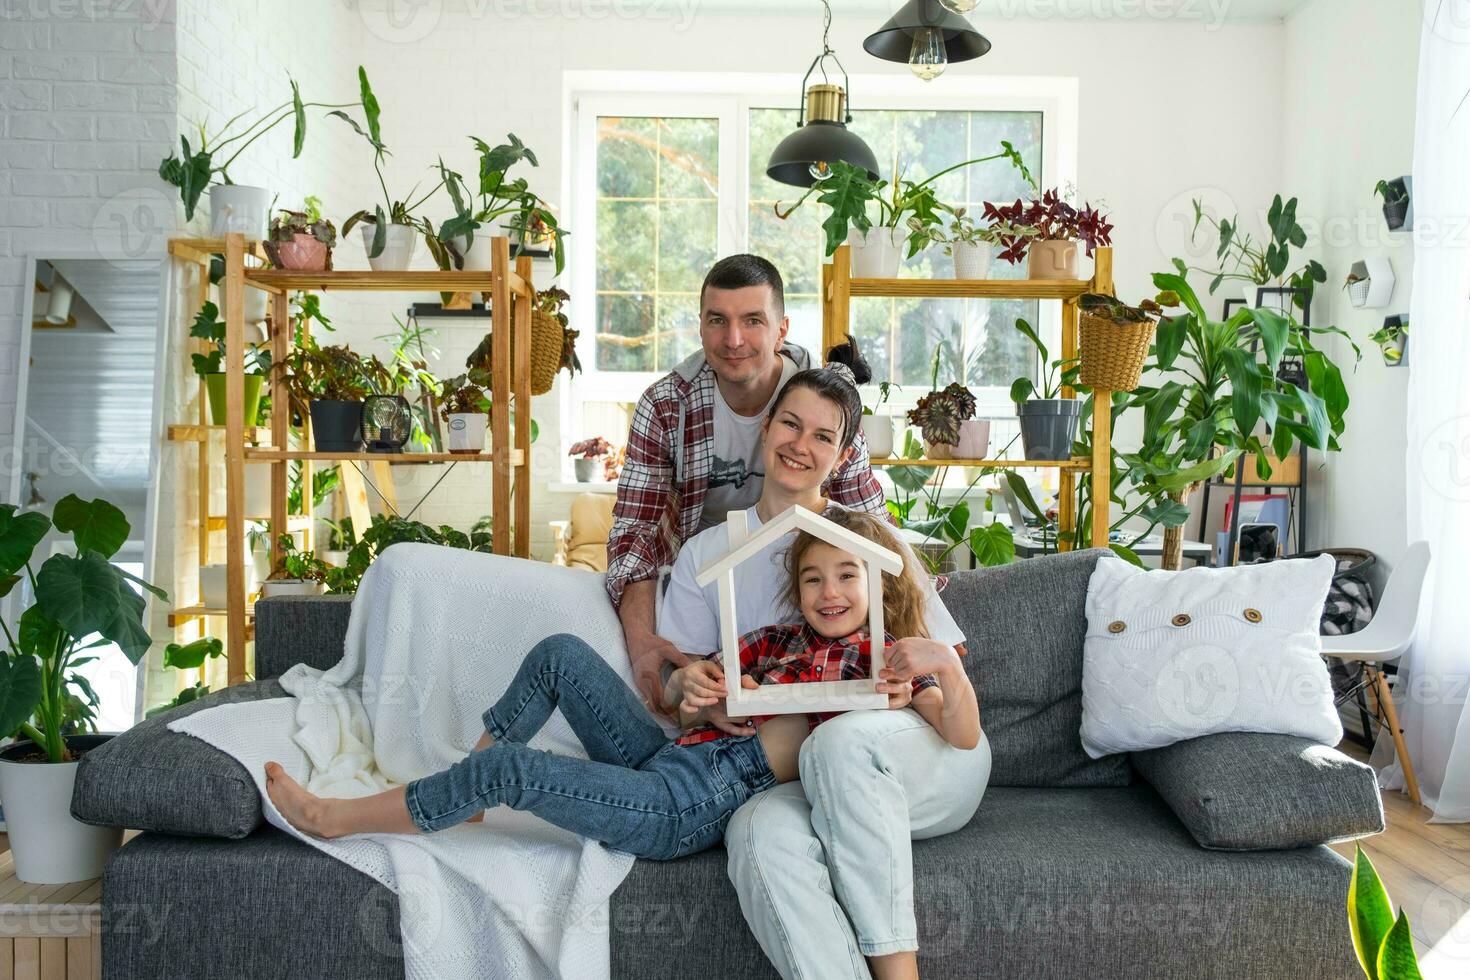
(1168, 512)
(1127, 554)
(86, 595)
(95, 525)
(1199, 438)
(1370, 917)
(1022, 389)
(1169, 339)
(1160, 407)
(36, 633)
(1197, 473)
(1035, 338)
(20, 532)
(1274, 330)
(380, 233)
(370, 109)
(994, 544)
(191, 656)
(1245, 388)
(185, 696)
(299, 111)
(956, 519)
(20, 692)
(1018, 486)
(1396, 959)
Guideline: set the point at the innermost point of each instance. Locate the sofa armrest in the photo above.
(149, 778)
(291, 630)
(1246, 791)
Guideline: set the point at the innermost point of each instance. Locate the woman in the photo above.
(822, 907)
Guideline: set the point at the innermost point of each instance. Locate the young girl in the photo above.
(637, 791)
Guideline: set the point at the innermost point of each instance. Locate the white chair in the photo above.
(1385, 638)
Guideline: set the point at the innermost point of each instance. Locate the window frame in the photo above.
(730, 97)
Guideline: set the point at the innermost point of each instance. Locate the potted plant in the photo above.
(211, 366)
(465, 237)
(1392, 339)
(847, 191)
(464, 404)
(1115, 339)
(536, 230)
(332, 381)
(968, 245)
(301, 240)
(1048, 421)
(77, 602)
(878, 429)
(238, 207)
(1266, 263)
(947, 420)
(214, 584)
(589, 455)
(1396, 203)
(296, 572)
(390, 236)
(1046, 231)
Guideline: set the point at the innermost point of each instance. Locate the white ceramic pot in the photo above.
(971, 259)
(878, 431)
(271, 588)
(49, 846)
(257, 492)
(397, 251)
(465, 432)
(214, 588)
(476, 253)
(974, 439)
(335, 556)
(876, 253)
(237, 207)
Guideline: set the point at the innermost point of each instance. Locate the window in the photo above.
(664, 184)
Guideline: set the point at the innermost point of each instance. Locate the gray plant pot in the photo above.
(1049, 427)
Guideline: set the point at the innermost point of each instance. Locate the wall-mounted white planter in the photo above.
(1374, 286)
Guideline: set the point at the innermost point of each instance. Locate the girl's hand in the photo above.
(703, 684)
(899, 692)
(915, 656)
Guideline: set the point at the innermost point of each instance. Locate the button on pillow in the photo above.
(1205, 650)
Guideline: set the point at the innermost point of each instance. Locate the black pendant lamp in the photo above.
(822, 136)
(927, 35)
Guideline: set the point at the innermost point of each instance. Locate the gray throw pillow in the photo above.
(1246, 791)
(149, 778)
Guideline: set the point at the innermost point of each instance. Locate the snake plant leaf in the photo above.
(1370, 917)
(95, 525)
(1396, 958)
(298, 138)
(20, 532)
(993, 544)
(20, 691)
(86, 595)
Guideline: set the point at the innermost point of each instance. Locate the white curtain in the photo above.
(1435, 674)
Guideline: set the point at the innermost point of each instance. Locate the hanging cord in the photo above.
(820, 61)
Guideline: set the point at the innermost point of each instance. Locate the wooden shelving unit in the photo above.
(839, 287)
(511, 297)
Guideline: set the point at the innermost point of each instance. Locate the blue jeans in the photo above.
(638, 792)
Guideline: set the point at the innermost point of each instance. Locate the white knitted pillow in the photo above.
(1171, 656)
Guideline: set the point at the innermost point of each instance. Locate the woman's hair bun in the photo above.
(846, 354)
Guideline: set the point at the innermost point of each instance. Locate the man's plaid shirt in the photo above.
(795, 653)
(663, 483)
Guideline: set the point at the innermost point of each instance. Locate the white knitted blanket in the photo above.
(435, 636)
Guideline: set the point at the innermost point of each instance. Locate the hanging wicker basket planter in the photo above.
(1113, 352)
(548, 345)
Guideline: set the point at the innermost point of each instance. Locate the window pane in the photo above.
(657, 234)
(977, 339)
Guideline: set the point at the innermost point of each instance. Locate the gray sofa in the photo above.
(1201, 860)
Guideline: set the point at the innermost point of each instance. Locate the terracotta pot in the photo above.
(304, 253)
(1051, 259)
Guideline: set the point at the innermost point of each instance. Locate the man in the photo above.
(694, 448)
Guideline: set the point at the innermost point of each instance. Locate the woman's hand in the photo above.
(915, 656)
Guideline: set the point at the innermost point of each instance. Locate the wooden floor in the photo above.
(1426, 869)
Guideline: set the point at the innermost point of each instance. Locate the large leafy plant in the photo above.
(848, 191)
(209, 327)
(386, 531)
(495, 196)
(1244, 259)
(80, 602)
(196, 167)
(333, 373)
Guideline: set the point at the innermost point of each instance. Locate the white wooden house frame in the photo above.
(813, 696)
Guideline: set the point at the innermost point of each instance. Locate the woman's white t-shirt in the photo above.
(689, 616)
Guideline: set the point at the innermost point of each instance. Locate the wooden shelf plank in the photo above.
(972, 288)
(1013, 464)
(197, 433)
(296, 522)
(411, 280)
(187, 614)
(201, 249)
(272, 455)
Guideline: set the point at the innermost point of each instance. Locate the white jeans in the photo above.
(824, 867)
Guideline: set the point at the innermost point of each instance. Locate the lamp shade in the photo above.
(823, 139)
(895, 39)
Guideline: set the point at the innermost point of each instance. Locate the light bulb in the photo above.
(820, 170)
(926, 58)
(959, 6)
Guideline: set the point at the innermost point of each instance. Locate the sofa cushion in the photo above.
(1097, 883)
(291, 630)
(1244, 791)
(149, 778)
(1024, 625)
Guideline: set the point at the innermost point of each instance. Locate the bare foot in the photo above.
(484, 743)
(303, 810)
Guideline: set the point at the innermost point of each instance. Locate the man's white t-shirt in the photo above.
(689, 616)
(735, 477)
